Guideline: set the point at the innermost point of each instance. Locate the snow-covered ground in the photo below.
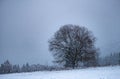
(88, 73)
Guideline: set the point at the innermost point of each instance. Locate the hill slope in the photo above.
(88, 73)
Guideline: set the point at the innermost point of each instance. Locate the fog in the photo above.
(27, 25)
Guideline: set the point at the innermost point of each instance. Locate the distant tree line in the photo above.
(111, 59)
(7, 67)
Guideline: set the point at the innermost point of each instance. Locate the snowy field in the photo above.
(88, 73)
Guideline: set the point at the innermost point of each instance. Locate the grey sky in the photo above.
(27, 25)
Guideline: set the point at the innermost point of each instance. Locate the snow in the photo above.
(112, 72)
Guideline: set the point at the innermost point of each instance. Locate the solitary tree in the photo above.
(72, 45)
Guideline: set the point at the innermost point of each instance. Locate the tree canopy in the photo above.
(72, 45)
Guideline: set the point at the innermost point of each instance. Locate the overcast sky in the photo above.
(27, 25)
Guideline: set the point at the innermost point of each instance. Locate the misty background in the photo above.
(27, 25)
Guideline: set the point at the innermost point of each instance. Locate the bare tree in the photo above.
(72, 45)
